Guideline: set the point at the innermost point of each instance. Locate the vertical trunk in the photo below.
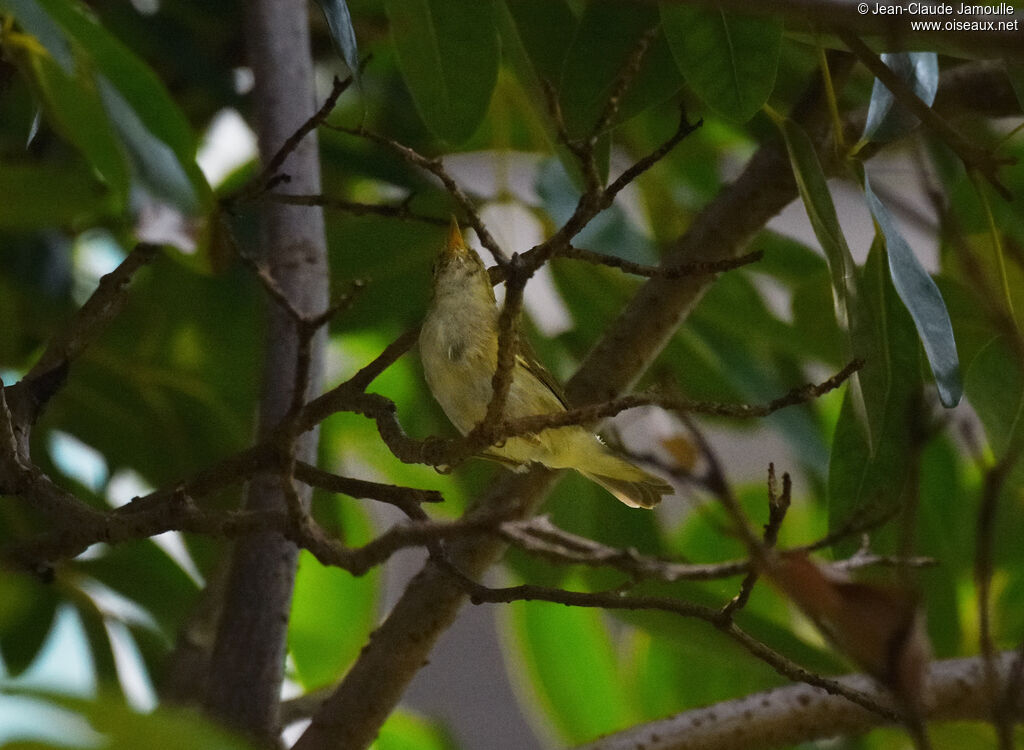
(248, 657)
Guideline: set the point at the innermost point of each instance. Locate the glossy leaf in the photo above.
(887, 119)
(339, 21)
(333, 612)
(924, 302)
(606, 36)
(448, 53)
(728, 60)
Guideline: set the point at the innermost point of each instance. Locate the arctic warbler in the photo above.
(459, 348)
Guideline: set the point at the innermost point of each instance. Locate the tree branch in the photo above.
(795, 714)
(351, 717)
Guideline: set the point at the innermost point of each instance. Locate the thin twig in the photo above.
(269, 176)
(390, 210)
(700, 268)
(778, 505)
(616, 599)
(436, 168)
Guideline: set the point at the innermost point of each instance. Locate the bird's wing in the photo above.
(528, 359)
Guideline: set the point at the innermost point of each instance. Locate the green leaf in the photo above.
(448, 53)
(74, 108)
(728, 60)
(817, 200)
(581, 697)
(995, 388)
(543, 26)
(865, 473)
(137, 102)
(821, 211)
(25, 619)
(333, 612)
(165, 591)
(606, 37)
(35, 21)
(123, 728)
(924, 302)
(339, 21)
(156, 165)
(1016, 73)
(887, 119)
(404, 730)
(945, 532)
(28, 196)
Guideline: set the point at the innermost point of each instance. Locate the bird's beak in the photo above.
(455, 245)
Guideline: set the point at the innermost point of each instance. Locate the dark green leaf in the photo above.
(817, 200)
(28, 196)
(946, 533)
(165, 591)
(543, 27)
(887, 119)
(339, 20)
(144, 112)
(1016, 72)
(606, 37)
(73, 106)
(25, 619)
(924, 301)
(873, 474)
(995, 388)
(728, 60)
(448, 54)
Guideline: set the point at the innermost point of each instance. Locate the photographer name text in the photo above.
(927, 9)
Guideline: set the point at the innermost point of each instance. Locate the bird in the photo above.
(458, 344)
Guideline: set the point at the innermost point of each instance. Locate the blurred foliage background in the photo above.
(103, 109)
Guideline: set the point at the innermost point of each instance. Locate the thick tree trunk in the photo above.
(248, 658)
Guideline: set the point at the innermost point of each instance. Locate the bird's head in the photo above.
(458, 270)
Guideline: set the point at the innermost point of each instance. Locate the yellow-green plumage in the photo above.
(459, 350)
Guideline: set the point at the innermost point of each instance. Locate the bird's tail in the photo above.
(635, 487)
